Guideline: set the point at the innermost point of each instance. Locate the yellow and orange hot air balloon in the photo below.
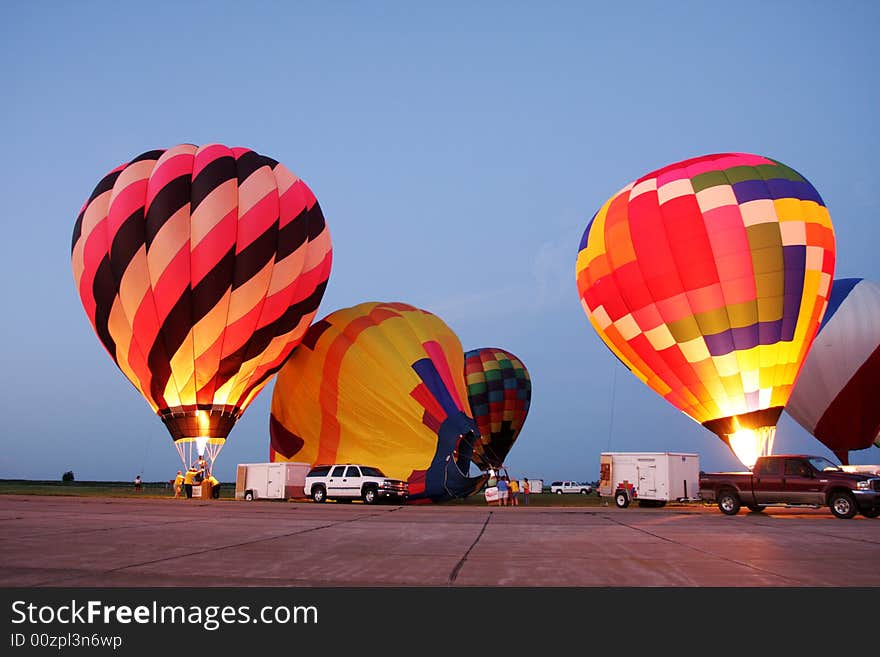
(380, 384)
(200, 269)
(708, 278)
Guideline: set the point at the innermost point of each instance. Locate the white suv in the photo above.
(346, 482)
(560, 487)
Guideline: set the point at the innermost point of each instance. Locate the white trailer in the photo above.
(650, 478)
(270, 481)
(535, 486)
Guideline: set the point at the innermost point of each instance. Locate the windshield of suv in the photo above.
(371, 472)
(822, 464)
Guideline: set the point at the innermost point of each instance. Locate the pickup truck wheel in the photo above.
(621, 500)
(756, 508)
(842, 505)
(729, 503)
(249, 496)
(871, 513)
(559, 492)
(319, 494)
(584, 491)
(370, 496)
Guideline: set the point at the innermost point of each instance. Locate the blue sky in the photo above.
(458, 151)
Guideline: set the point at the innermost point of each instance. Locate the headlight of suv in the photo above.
(863, 485)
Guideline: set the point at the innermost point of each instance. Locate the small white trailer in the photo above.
(270, 481)
(536, 486)
(649, 478)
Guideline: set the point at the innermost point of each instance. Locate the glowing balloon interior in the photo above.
(708, 279)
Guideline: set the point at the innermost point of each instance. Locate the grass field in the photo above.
(163, 490)
(93, 488)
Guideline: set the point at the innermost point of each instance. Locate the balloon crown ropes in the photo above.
(200, 269)
(708, 279)
(380, 384)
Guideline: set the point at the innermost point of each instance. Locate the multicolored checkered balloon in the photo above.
(708, 278)
(499, 393)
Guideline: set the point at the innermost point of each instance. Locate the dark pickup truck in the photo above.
(793, 480)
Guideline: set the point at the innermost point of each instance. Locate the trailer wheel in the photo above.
(842, 505)
(621, 499)
(319, 494)
(728, 502)
(249, 495)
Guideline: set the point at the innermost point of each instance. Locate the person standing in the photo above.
(137, 484)
(178, 484)
(188, 481)
(526, 489)
(514, 492)
(502, 490)
(215, 486)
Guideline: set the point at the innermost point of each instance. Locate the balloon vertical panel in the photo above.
(836, 396)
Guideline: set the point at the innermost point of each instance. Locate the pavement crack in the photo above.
(454, 574)
(224, 547)
(707, 552)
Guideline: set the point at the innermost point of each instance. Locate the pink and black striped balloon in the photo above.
(200, 269)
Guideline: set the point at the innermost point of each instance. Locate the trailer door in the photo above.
(257, 478)
(275, 483)
(647, 472)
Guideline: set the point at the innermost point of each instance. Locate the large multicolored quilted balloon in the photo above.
(708, 278)
(380, 384)
(499, 393)
(200, 269)
(837, 395)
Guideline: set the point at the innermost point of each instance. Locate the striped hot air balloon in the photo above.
(499, 394)
(200, 269)
(837, 395)
(380, 384)
(708, 278)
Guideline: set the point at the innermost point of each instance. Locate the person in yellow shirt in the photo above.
(215, 486)
(178, 484)
(513, 487)
(188, 480)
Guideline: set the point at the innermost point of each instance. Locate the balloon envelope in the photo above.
(499, 393)
(200, 269)
(380, 384)
(837, 395)
(708, 279)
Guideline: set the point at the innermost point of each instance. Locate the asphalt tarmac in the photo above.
(110, 542)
